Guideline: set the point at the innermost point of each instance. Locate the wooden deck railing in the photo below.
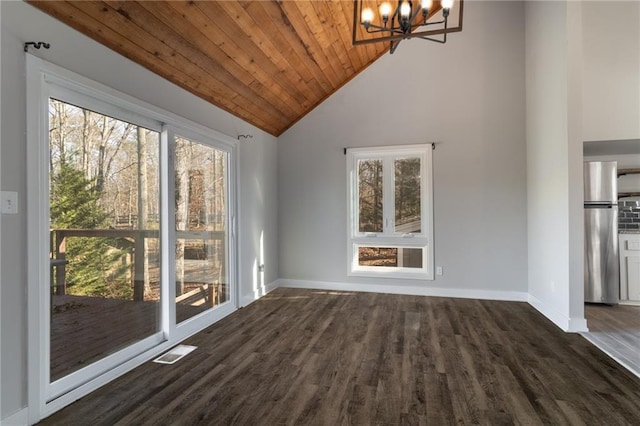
(135, 239)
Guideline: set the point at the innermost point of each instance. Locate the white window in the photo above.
(390, 211)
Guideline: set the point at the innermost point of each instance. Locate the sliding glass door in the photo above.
(131, 233)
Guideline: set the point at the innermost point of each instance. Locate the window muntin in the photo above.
(390, 212)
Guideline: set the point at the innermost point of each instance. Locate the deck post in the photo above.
(60, 263)
(138, 267)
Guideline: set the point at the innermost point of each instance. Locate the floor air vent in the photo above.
(174, 355)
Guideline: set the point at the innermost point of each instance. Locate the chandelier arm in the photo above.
(426, 24)
(393, 45)
(435, 39)
(444, 36)
(378, 29)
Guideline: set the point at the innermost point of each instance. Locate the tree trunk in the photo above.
(143, 203)
(182, 162)
(85, 141)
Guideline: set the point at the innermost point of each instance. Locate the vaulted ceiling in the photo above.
(267, 62)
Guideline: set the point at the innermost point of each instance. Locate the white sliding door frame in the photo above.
(45, 80)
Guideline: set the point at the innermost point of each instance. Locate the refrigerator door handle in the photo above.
(599, 206)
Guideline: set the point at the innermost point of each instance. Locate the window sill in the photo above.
(392, 274)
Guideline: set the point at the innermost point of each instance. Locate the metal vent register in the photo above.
(175, 354)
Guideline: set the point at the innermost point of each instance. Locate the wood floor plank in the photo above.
(316, 357)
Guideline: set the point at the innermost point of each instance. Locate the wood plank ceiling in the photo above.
(267, 62)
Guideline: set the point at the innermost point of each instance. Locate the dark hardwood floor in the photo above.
(316, 357)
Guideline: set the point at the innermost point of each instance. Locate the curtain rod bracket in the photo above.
(36, 44)
(245, 137)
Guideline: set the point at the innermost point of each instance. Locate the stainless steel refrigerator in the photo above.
(601, 268)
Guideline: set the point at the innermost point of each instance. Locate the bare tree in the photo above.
(182, 163)
(143, 203)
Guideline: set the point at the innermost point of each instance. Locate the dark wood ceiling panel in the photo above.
(267, 62)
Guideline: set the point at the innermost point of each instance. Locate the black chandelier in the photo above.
(410, 19)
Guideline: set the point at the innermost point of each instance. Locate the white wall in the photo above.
(611, 70)
(626, 183)
(468, 95)
(575, 138)
(611, 81)
(554, 155)
(258, 190)
(258, 214)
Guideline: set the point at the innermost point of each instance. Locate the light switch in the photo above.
(9, 202)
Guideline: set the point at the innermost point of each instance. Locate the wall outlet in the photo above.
(438, 270)
(9, 200)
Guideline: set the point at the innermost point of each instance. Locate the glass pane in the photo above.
(397, 257)
(201, 228)
(104, 251)
(407, 195)
(370, 195)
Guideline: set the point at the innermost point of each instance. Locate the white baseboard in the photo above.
(629, 302)
(21, 418)
(248, 299)
(565, 323)
(578, 325)
(417, 290)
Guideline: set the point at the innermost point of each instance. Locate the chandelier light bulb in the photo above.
(426, 4)
(385, 10)
(405, 9)
(447, 4)
(367, 15)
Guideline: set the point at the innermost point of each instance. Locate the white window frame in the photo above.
(46, 80)
(388, 237)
